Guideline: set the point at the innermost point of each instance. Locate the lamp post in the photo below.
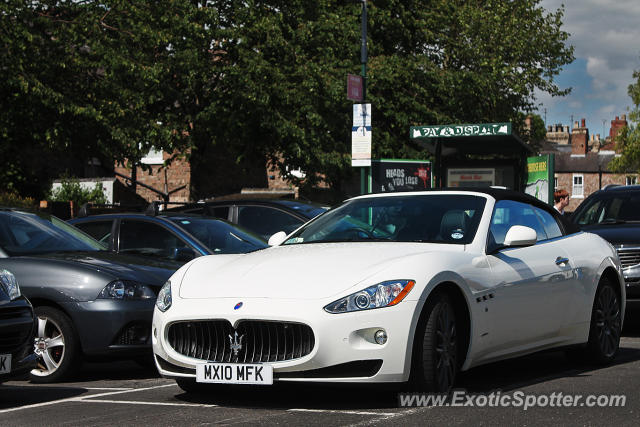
(366, 170)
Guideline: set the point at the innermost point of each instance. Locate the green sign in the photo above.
(540, 177)
(448, 131)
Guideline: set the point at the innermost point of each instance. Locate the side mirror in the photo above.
(519, 235)
(183, 254)
(277, 238)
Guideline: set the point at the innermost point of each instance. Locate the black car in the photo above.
(89, 302)
(263, 217)
(614, 214)
(16, 330)
(180, 237)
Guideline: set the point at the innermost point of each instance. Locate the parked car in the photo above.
(614, 214)
(16, 330)
(179, 237)
(393, 288)
(89, 302)
(263, 217)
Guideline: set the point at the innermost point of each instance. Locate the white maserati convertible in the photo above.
(393, 288)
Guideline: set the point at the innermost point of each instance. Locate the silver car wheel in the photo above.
(49, 345)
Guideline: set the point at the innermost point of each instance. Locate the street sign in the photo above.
(361, 146)
(400, 175)
(362, 115)
(540, 174)
(446, 131)
(361, 135)
(354, 87)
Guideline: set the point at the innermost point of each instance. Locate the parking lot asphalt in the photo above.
(123, 393)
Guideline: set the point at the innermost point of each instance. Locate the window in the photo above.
(99, 230)
(631, 180)
(266, 221)
(508, 213)
(146, 238)
(578, 186)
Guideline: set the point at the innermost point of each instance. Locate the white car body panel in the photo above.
(519, 300)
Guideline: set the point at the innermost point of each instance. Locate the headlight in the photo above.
(122, 289)
(10, 284)
(164, 297)
(383, 294)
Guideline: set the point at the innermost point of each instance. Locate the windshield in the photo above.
(618, 208)
(221, 237)
(23, 233)
(451, 218)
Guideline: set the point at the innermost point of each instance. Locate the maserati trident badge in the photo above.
(236, 342)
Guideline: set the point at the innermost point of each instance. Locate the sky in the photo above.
(606, 38)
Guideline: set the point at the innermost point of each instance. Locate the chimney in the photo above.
(624, 117)
(580, 139)
(583, 123)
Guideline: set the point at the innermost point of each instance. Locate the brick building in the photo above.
(584, 169)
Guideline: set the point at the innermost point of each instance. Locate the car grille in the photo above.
(16, 326)
(252, 342)
(629, 256)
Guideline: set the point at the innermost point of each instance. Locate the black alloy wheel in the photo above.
(437, 354)
(606, 324)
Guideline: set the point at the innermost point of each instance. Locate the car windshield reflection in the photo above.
(23, 233)
(440, 218)
(221, 237)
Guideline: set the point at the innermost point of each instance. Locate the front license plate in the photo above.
(5, 363)
(234, 373)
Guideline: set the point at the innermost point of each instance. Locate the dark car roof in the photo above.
(303, 209)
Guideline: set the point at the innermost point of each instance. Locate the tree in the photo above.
(258, 79)
(628, 139)
(431, 62)
(104, 79)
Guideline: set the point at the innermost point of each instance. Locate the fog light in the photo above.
(380, 336)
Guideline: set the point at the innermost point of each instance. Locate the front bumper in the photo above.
(632, 287)
(17, 328)
(113, 327)
(344, 346)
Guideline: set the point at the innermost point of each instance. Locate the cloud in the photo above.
(605, 35)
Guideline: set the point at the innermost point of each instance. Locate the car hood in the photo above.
(305, 271)
(141, 269)
(617, 234)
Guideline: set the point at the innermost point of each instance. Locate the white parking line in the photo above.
(83, 398)
(108, 388)
(338, 411)
(139, 402)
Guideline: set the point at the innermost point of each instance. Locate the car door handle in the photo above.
(561, 261)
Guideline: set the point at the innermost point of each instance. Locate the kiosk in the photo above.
(473, 155)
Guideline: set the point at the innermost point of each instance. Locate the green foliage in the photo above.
(12, 200)
(256, 79)
(71, 190)
(628, 139)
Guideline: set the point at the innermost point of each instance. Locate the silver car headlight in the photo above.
(10, 284)
(383, 294)
(126, 290)
(164, 297)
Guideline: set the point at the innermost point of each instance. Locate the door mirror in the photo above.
(519, 235)
(277, 238)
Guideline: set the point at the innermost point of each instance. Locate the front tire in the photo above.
(57, 346)
(437, 346)
(606, 324)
